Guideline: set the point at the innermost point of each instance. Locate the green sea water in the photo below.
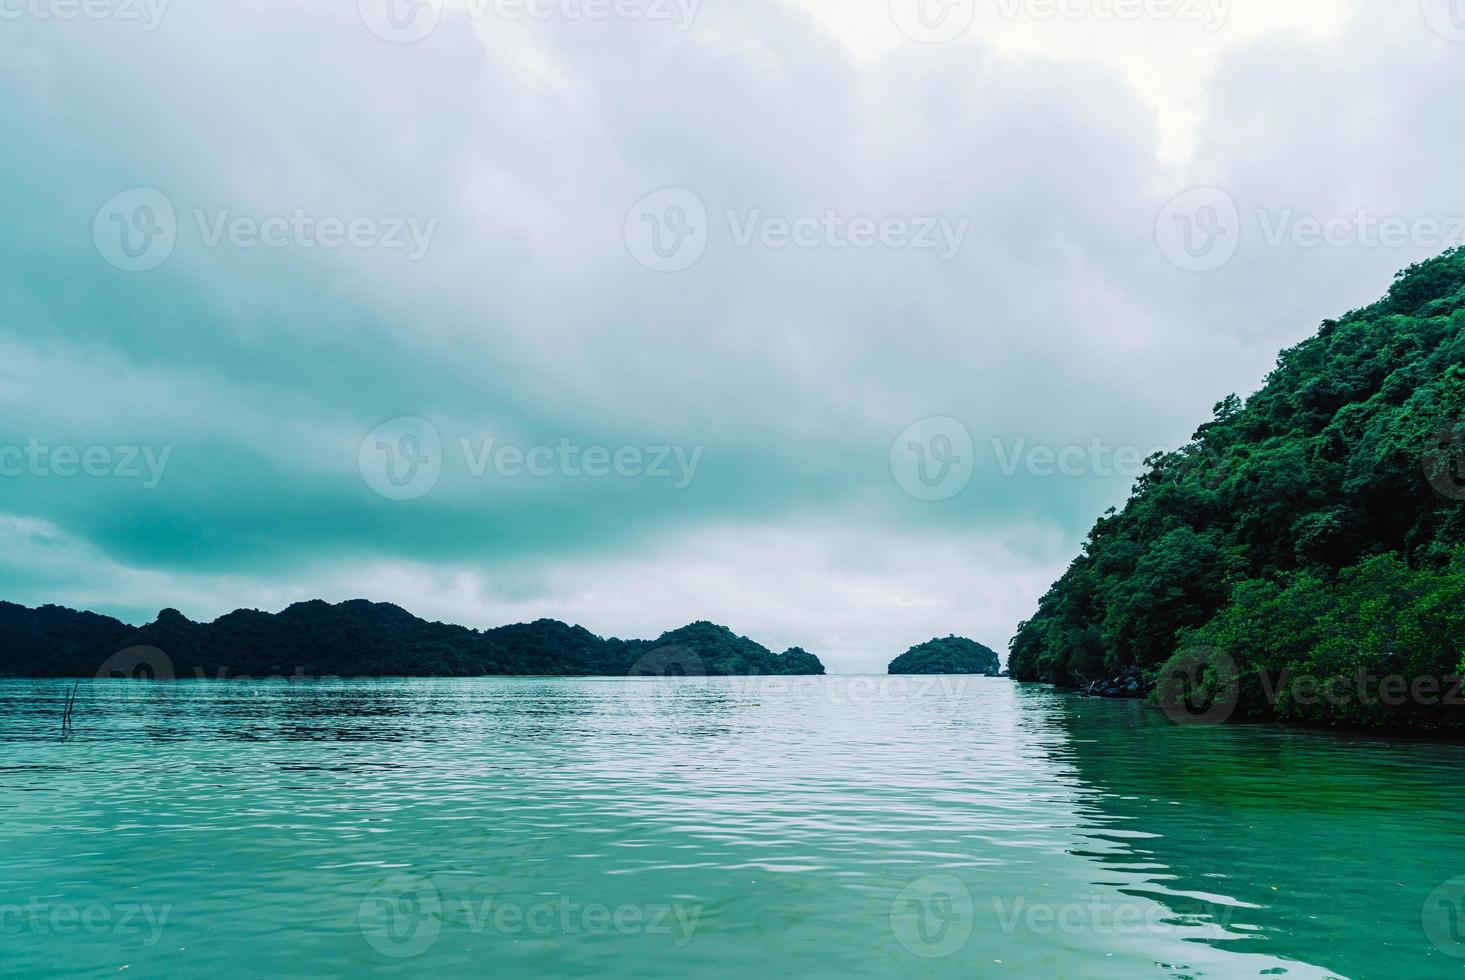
(827, 827)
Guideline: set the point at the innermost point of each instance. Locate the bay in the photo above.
(830, 826)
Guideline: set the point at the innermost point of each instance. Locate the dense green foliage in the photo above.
(951, 655)
(1379, 645)
(363, 639)
(1318, 527)
(57, 634)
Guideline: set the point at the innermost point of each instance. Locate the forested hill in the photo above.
(355, 639)
(951, 655)
(1316, 528)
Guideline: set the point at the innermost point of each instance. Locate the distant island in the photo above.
(363, 639)
(1303, 557)
(952, 655)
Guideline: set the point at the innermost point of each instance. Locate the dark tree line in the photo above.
(364, 639)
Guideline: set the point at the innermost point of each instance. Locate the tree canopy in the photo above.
(359, 638)
(1316, 526)
(951, 655)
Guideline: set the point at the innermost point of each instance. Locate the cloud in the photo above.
(527, 319)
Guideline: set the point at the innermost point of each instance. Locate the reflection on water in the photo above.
(1325, 845)
(706, 826)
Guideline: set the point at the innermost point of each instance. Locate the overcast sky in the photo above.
(835, 321)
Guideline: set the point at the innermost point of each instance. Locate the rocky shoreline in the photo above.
(1129, 685)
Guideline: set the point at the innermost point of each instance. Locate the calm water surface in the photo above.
(961, 827)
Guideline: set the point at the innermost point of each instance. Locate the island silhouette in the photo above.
(948, 655)
(362, 639)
